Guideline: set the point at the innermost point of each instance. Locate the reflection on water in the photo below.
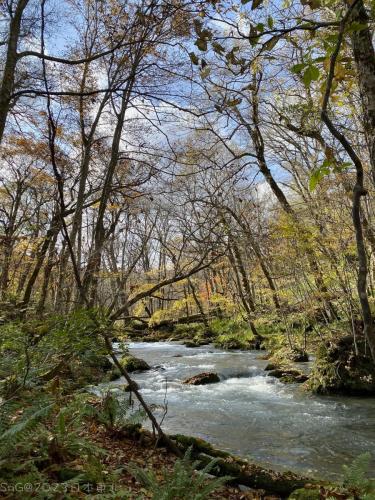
(254, 415)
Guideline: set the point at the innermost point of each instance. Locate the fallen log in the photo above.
(169, 323)
(240, 470)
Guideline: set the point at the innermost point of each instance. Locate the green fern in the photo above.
(117, 412)
(23, 428)
(355, 477)
(184, 482)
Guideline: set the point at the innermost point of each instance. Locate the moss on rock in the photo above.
(339, 369)
(288, 375)
(241, 471)
(305, 494)
(133, 364)
(287, 355)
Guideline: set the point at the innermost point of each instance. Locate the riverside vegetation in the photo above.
(200, 172)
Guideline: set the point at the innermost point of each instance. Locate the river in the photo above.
(254, 415)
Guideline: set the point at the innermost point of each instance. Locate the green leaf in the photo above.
(356, 26)
(311, 74)
(297, 68)
(318, 174)
(244, 2)
(270, 22)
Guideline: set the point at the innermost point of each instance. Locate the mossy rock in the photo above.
(114, 374)
(270, 366)
(305, 494)
(288, 376)
(192, 343)
(339, 369)
(299, 356)
(234, 343)
(133, 364)
(203, 379)
(230, 344)
(286, 355)
(99, 361)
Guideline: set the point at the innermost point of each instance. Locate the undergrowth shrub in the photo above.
(231, 333)
(41, 442)
(116, 412)
(36, 351)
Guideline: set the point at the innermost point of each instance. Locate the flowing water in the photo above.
(251, 414)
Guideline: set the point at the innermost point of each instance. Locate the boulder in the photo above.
(203, 379)
(270, 366)
(133, 364)
(192, 343)
(299, 356)
(100, 361)
(340, 368)
(288, 375)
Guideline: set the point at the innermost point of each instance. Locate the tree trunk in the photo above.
(364, 56)
(7, 83)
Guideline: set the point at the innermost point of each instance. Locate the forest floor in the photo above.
(121, 451)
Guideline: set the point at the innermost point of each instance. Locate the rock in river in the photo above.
(203, 378)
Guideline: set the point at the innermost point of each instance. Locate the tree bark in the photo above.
(7, 83)
(364, 57)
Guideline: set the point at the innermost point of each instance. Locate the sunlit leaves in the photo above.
(329, 166)
(308, 72)
(311, 74)
(318, 175)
